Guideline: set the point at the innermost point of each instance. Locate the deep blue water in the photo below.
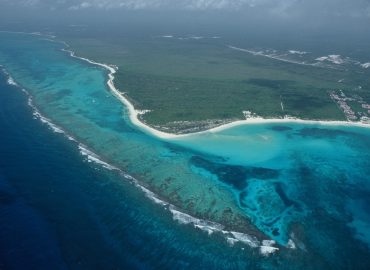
(305, 183)
(58, 211)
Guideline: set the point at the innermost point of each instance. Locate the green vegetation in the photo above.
(198, 80)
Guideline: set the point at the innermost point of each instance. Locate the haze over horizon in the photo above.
(345, 9)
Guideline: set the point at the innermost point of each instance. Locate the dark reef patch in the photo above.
(235, 176)
(280, 191)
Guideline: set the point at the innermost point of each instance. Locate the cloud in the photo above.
(165, 4)
(154, 4)
(83, 5)
(29, 3)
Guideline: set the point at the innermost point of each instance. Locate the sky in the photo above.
(352, 16)
(279, 8)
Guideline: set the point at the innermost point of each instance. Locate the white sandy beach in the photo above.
(133, 113)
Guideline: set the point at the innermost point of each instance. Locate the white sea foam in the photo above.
(333, 58)
(211, 227)
(322, 58)
(297, 52)
(45, 120)
(151, 195)
(11, 81)
(208, 226)
(35, 112)
(291, 244)
(231, 241)
(338, 59)
(365, 65)
(267, 247)
(92, 157)
(246, 239)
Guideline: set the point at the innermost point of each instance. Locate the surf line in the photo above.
(266, 247)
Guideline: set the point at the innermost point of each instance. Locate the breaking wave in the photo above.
(265, 247)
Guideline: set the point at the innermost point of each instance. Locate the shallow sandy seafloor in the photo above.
(292, 182)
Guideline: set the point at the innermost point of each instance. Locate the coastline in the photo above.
(134, 114)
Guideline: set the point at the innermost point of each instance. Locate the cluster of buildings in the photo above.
(365, 115)
(249, 115)
(341, 99)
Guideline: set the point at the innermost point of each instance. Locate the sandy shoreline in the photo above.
(133, 113)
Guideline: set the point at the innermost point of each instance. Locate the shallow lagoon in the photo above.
(299, 182)
(282, 172)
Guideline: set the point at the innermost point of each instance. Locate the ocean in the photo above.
(81, 187)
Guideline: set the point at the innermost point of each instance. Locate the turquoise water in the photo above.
(305, 186)
(281, 172)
